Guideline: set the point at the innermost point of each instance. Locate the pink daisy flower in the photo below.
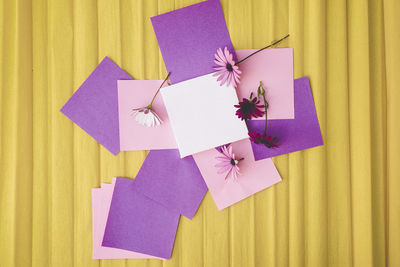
(228, 163)
(227, 70)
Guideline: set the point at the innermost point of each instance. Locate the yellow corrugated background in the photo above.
(338, 205)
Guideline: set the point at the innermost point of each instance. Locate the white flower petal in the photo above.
(146, 117)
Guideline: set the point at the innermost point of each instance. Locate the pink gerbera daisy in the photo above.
(228, 163)
(227, 70)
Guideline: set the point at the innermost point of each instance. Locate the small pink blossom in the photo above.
(228, 163)
(227, 71)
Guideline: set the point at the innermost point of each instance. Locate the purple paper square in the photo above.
(189, 37)
(94, 106)
(296, 134)
(173, 182)
(137, 223)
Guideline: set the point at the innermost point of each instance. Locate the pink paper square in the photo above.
(255, 175)
(274, 67)
(133, 136)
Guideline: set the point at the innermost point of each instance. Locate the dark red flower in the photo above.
(266, 140)
(249, 108)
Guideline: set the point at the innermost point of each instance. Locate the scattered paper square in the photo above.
(137, 223)
(189, 37)
(202, 114)
(173, 182)
(274, 68)
(101, 200)
(300, 133)
(133, 136)
(255, 175)
(94, 106)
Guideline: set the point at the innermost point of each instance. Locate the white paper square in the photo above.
(202, 114)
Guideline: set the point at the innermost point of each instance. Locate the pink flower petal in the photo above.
(224, 170)
(222, 164)
(218, 59)
(220, 69)
(226, 152)
(230, 80)
(224, 159)
(220, 54)
(223, 76)
(230, 150)
(219, 73)
(219, 63)
(228, 55)
(237, 78)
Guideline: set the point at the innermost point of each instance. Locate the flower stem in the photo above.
(266, 121)
(268, 46)
(240, 159)
(154, 97)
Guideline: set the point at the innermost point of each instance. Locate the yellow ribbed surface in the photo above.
(338, 205)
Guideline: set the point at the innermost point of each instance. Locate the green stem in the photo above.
(268, 46)
(266, 112)
(240, 159)
(154, 97)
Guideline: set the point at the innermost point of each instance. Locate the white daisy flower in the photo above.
(146, 116)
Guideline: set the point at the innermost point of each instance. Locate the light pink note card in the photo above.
(274, 68)
(254, 175)
(133, 136)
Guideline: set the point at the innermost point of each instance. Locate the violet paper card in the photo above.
(274, 68)
(189, 37)
(137, 223)
(171, 181)
(133, 136)
(101, 200)
(300, 133)
(255, 175)
(94, 106)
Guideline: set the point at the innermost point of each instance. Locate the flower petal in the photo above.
(223, 170)
(220, 63)
(228, 56)
(223, 75)
(225, 78)
(221, 56)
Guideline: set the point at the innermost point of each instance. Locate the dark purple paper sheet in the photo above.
(296, 134)
(94, 106)
(173, 182)
(189, 37)
(139, 224)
